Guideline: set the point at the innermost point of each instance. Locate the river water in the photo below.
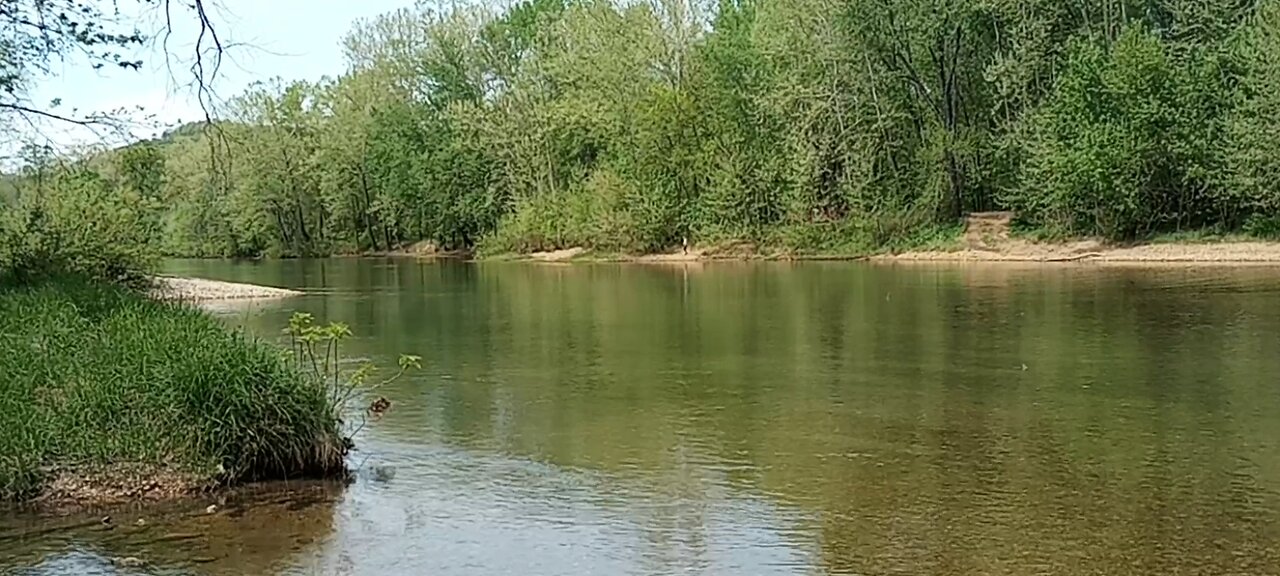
(743, 419)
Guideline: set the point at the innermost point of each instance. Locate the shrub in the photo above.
(79, 225)
(1121, 147)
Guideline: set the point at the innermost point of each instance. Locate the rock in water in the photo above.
(383, 473)
(128, 562)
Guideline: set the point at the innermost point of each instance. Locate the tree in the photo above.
(807, 125)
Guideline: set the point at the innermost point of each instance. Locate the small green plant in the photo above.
(315, 351)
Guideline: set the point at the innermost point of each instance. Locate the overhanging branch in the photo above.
(27, 110)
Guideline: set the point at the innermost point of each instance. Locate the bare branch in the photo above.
(26, 110)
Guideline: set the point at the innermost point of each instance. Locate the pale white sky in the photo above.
(292, 39)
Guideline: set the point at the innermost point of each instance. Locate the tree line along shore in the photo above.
(811, 127)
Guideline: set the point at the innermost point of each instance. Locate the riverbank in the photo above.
(1019, 251)
(203, 290)
(1228, 252)
(989, 237)
(110, 396)
(986, 237)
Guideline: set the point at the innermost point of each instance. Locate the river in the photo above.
(758, 418)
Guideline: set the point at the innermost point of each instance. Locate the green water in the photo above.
(761, 419)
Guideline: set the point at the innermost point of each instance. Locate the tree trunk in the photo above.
(302, 224)
(368, 209)
(297, 201)
(283, 229)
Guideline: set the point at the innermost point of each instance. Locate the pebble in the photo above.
(199, 289)
(211, 509)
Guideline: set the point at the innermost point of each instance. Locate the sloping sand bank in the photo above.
(987, 239)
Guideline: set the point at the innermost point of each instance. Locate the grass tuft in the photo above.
(97, 375)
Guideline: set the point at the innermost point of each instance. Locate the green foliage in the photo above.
(99, 375)
(1122, 146)
(72, 219)
(1263, 226)
(1253, 143)
(806, 125)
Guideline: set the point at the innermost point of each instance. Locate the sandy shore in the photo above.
(585, 255)
(201, 290)
(557, 255)
(987, 239)
(1008, 250)
(1209, 253)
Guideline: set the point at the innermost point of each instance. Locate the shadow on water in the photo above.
(253, 530)
(770, 419)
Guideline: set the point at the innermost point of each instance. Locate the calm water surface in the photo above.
(759, 419)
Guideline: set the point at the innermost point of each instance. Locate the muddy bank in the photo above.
(73, 488)
(202, 290)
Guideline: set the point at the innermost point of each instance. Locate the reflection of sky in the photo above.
(455, 512)
(77, 562)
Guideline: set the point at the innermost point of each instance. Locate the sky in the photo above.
(291, 39)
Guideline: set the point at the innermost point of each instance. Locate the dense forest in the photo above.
(798, 126)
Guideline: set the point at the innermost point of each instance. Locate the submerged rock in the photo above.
(129, 562)
(383, 473)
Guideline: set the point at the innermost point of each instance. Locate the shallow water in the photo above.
(759, 419)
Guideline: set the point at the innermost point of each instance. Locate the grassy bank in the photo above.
(850, 245)
(98, 380)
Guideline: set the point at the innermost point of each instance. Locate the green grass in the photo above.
(93, 374)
